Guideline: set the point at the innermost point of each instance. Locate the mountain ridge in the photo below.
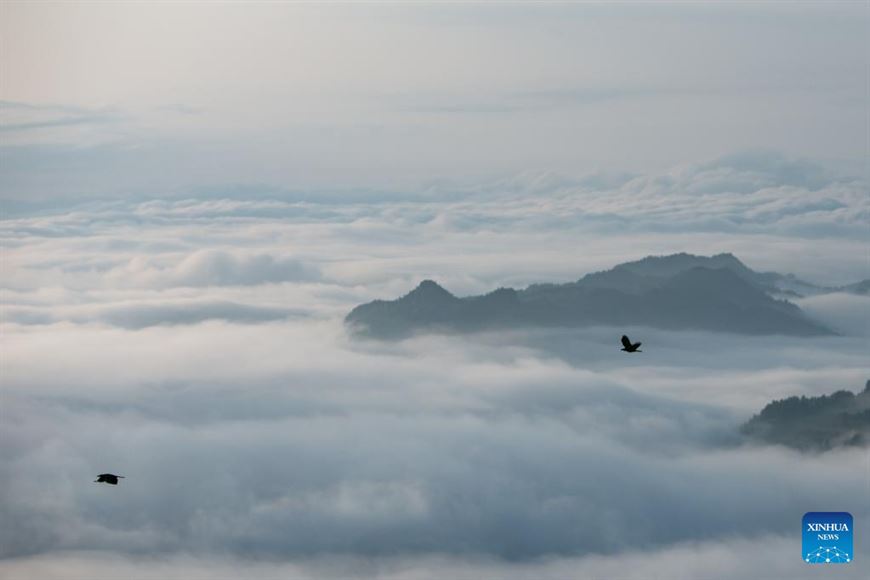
(679, 291)
(814, 423)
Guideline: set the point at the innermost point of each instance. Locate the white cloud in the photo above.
(213, 268)
(748, 556)
(255, 428)
(847, 313)
(284, 439)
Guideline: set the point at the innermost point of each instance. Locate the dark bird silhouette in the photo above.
(108, 478)
(628, 347)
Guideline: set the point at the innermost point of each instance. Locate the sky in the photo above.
(159, 98)
(194, 195)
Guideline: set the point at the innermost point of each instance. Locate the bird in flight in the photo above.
(108, 478)
(628, 347)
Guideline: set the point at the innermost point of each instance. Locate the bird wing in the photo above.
(625, 342)
(636, 345)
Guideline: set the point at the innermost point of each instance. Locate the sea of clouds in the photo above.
(196, 346)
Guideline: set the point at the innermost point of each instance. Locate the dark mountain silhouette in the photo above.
(814, 423)
(862, 287)
(773, 283)
(675, 292)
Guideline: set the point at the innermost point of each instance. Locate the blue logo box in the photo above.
(827, 538)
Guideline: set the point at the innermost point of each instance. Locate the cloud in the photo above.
(215, 268)
(171, 314)
(491, 229)
(19, 117)
(749, 171)
(732, 559)
(284, 441)
(57, 122)
(849, 313)
(196, 346)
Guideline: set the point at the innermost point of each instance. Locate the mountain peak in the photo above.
(727, 258)
(429, 289)
(428, 285)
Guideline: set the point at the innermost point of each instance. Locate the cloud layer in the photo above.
(458, 449)
(196, 347)
(732, 559)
